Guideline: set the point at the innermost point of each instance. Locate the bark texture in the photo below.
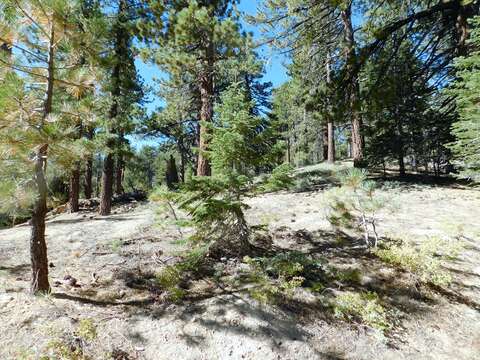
(206, 111)
(119, 172)
(74, 190)
(38, 244)
(88, 185)
(107, 186)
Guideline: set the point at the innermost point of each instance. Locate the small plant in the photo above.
(303, 184)
(87, 330)
(277, 277)
(424, 261)
(59, 349)
(364, 307)
(71, 345)
(346, 276)
(355, 205)
(169, 279)
(115, 245)
(281, 178)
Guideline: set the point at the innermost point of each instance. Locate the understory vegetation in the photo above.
(181, 162)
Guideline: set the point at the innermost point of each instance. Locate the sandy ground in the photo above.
(114, 260)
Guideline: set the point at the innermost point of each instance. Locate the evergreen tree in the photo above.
(201, 37)
(35, 126)
(125, 92)
(466, 147)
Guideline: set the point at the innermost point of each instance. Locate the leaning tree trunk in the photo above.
(38, 244)
(107, 185)
(206, 112)
(74, 189)
(353, 88)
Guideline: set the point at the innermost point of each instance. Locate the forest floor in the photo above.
(113, 307)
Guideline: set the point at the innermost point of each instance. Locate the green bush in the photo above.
(425, 260)
(281, 178)
(275, 278)
(364, 307)
(169, 280)
(87, 330)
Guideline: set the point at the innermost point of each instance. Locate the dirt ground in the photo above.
(114, 260)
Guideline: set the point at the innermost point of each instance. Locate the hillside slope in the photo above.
(113, 261)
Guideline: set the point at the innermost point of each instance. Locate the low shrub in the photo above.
(281, 178)
(364, 307)
(425, 260)
(276, 278)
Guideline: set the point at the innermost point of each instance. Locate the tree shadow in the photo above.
(16, 270)
(409, 181)
(111, 218)
(103, 303)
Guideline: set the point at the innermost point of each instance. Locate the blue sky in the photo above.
(275, 71)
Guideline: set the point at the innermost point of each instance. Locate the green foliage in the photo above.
(466, 148)
(268, 290)
(215, 203)
(235, 137)
(116, 245)
(281, 178)
(276, 278)
(364, 307)
(87, 330)
(143, 169)
(404, 120)
(169, 279)
(425, 260)
(73, 346)
(355, 204)
(353, 276)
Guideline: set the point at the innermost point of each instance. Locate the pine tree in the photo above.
(125, 91)
(200, 38)
(36, 128)
(215, 203)
(466, 147)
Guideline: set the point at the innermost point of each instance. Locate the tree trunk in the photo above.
(289, 155)
(119, 172)
(74, 192)
(88, 187)
(182, 162)
(401, 151)
(353, 88)
(206, 112)
(330, 126)
(107, 185)
(325, 142)
(109, 161)
(171, 173)
(401, 165)
(38, 244)
(331, 142)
